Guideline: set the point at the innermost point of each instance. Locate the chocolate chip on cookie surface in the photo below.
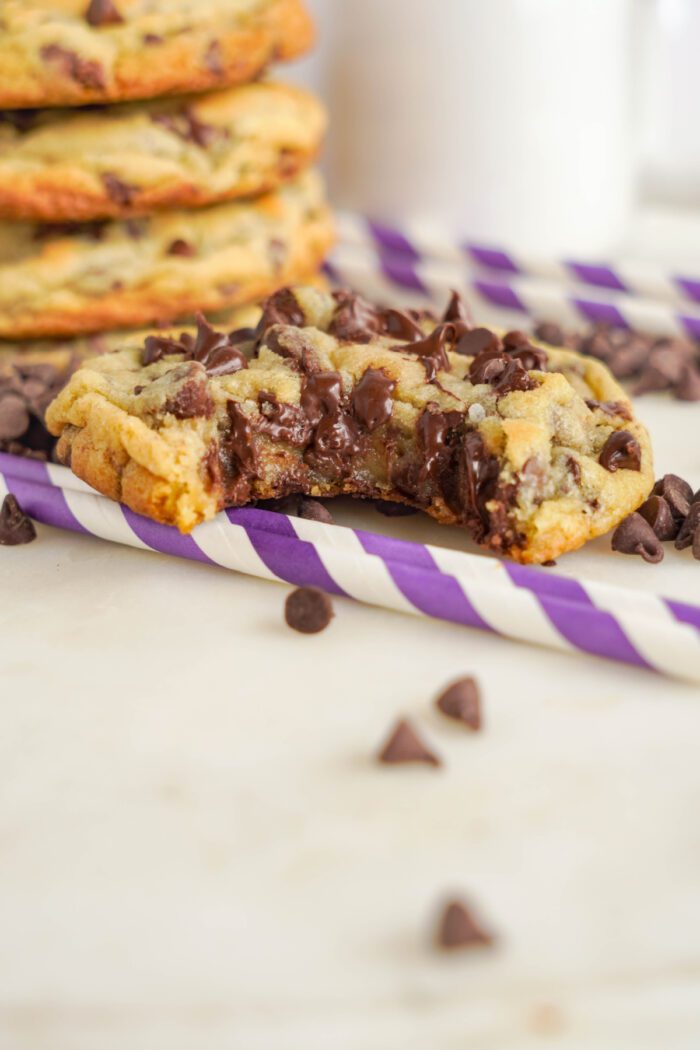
(331, 395)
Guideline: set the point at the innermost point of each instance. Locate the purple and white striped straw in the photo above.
(636, 278)
(378, 274)
(517, 602)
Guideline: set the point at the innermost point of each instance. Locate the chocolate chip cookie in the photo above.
(532, 451)
(73, 52)
(118, 161)
(32, 373)
(128, 274)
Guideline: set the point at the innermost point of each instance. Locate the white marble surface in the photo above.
(197, 851)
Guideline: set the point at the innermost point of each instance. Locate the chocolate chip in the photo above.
(432, 350)
(312, 510)
(283, 422)
(187, 126)
(404, 745)
(103, 13)
(488, 366)
(635, 535)
(14, 417)
(657, 512)
(355, 320)
(514, 377)
(308, 610)
(88, 73)
(372, 398)
(458, 929)
(281, 308)
(688, 386)
(399, 324)
(183, 248)
(689, 528)
(15, 526)
(456, 309)
(610, 408)
(677, 493)
(119, 192)
(551, 333)
(461, 701)
(621, 452)
(476, 342)
(192, 400)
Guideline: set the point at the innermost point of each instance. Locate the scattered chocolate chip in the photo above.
(183, 248)
(394, 510)
(308, 610)
(657, 512)
(689, 528)
(14, 417)
(621, 452)
(312, 510)
(103, 13)
(88, 73)
(635, 535)
(459, 929)
(688, 386)
(399, 324)
(462, 702)
(404, 745)
(677, 493)
(15, 526)
(477, 341)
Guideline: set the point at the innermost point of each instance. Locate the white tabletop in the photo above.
(197, 849)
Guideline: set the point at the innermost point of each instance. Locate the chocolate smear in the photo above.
(372, 398)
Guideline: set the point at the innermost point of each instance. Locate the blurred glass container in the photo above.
(508, 120)
(672, 128)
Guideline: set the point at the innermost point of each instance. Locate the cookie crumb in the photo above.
(308, 610)
(16, 527)
(462, 702)
(459, 929)
(404, 745)
(312, 510)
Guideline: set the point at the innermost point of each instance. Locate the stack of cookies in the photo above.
(146, 174)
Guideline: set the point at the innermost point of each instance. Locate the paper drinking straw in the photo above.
(378, 273)
(635, 278)
(366, 567)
